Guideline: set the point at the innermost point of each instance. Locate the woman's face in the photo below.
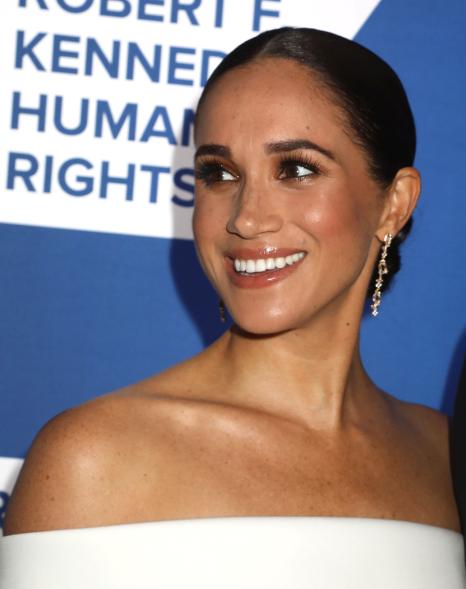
(285, 210)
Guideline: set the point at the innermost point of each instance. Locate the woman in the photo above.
(304, 191)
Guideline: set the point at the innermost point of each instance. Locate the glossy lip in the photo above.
(261, 279)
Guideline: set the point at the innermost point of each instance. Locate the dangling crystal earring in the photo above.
(221, 308)
(382, 269)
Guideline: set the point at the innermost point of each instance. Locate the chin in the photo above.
(263, 324)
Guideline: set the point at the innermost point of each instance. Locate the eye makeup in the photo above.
(287, 167)
(210, 171)
(298, 167)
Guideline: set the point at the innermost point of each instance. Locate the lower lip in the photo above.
(260, 279)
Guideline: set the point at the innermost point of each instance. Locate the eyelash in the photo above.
(209, 171)
(304, 162)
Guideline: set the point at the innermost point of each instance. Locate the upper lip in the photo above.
(244, 253)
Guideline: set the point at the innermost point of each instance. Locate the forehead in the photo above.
(273, 97)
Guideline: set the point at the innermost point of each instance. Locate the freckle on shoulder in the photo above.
(71, 463)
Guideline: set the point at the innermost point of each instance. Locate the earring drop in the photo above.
(221, 308)
(382, 269)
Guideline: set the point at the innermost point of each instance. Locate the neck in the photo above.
(314, 371)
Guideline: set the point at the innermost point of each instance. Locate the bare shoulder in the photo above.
(424, 434)
(94, 464)
(424, 422)
(79, 463)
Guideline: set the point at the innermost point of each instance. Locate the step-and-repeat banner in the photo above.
(100, 285)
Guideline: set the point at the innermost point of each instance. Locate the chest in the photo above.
(361, 475)
(353, 478)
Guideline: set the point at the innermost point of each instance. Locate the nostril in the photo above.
(250, 219)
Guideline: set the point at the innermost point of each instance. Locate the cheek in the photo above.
(211, 214)
(201, 228)
(197, 222)
(202, 221)
(208, 230)
(335, 219)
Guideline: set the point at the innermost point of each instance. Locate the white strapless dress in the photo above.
(239, 553)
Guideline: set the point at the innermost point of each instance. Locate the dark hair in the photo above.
(364, 86)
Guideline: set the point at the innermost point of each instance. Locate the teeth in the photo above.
(262, 265)
(280, 262)
(250, 266)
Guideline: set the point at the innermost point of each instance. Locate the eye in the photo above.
(297, 169)
(213, 172)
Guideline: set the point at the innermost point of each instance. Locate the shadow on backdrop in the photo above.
(195, 292)
(453, 376)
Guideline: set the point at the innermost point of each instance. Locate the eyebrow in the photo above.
(294, 144)
(274, 147)
(212, 149)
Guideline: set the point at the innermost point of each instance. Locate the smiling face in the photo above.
(285, 209)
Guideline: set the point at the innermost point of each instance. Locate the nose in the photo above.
(253, 215)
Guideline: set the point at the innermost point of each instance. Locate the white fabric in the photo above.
(237, 552)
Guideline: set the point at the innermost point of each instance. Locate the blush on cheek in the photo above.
(333, 219)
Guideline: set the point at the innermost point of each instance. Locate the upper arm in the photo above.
(57, 485)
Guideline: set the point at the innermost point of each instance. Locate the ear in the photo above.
(401, 199)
